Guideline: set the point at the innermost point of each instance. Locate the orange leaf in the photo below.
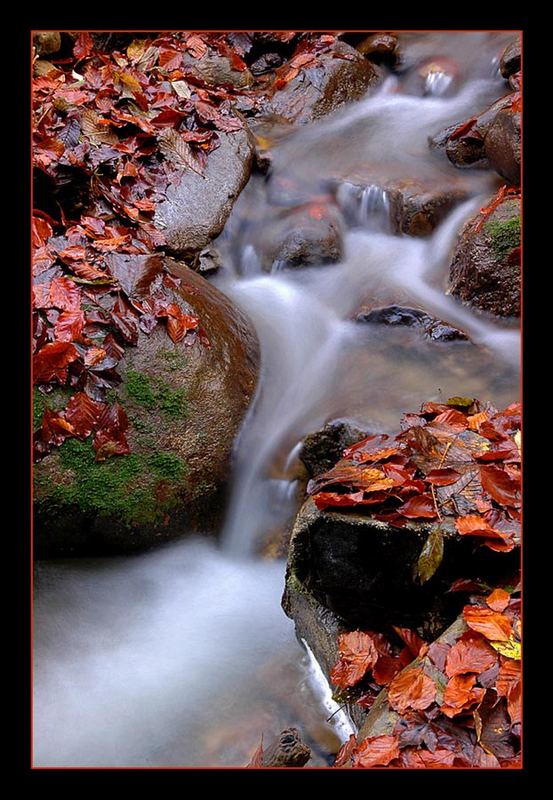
(376, 751)
(358, 654)
(491, 624)
(412, 688)
(460, 694)
(424, 759)
(344, 754)
(470, 655)
(498, 600)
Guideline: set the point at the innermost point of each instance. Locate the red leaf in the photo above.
(411, 639)
(51, 362)
(500, 486)
(69, 326)
(65, 294)
(110, 438)
(386, 669)
(470, 655)
(442, 477)
(412, 688)
(178, 323)
(83, 45)
(125, 320)
(421, 505)
(491, 624)
(344, 754)
(376, 751)
(475, 525)
(424, 759)
(83, 414)
(455, 420)
(358, 654)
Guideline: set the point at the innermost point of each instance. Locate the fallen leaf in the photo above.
(430, 556)
(412, 688)
(52, 361)
(467, 655)
(376, 751)
(357, 654)
(491, 624)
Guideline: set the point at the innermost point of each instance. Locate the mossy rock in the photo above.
(485, 269)
(185, 403)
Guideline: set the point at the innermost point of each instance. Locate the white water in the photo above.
(183, 656)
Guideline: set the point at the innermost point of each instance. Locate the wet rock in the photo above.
(185, 403)
(380, 47)
(266, 63)
(485, 270)
(322, 449)
(47, 42)
(434, 329)
(464, 142)
(510, 60)
(197, 208)
(208, 261)
(309, 235)
(268, 131)
(502, 144)
(417, 210)
(362, 570)
(216, 70)
(339, 77)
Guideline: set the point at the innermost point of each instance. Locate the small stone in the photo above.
(322, 449)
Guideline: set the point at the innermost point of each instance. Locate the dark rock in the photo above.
(485, 270)
(502, 145)
(306, 236)
(47, 42)
(216, 70)
(466, 148)
(433, 328)
(339, 77)
(197, 208)
(185, 403)
(379, 47)
(417, 210)
(266, 63)
(362, 569)
(208, 261)
(510, 60)
(322, 449)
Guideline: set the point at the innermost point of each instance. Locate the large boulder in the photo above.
(305, 236)
(197, 208)
(339, 77)
(485, 270)
(363, 569)
(323, 448)
(185, 404)
(502, 144)
(216, 70)
(431, 328)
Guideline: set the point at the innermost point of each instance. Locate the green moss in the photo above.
(152, 393)
(505, 235)
(167, 465)
(172, 401)
(121, 487)
(174, 359)
(139, 389)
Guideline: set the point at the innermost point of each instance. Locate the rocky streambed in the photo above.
(352, 251)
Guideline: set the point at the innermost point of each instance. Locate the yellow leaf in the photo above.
(518, 441)
(509, 649)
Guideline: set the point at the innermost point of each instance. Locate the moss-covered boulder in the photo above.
(185, 403)
(485, 270)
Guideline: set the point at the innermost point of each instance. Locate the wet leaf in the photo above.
(357, 654)
(491, 624)
(69, 325)
(419, 507)
(412, 688)
(443, 477)
(411, 639)
(52, 361)
(134, 273)
(344, 754)
(500, 486)
(493, 726)
(510, 649)
(83, 413)
(376, 751)
(467, 655)
(424, 759)
(178, 151)
(498, 600)
(430, 556)
(65, 294)
(125, 320)
(110, 439)
(460, 695)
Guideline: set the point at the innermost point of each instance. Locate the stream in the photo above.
(182, 656)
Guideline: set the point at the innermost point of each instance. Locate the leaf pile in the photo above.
(456, 464)
(112, 129)
(458, 704)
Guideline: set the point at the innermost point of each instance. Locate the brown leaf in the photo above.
(257, 758)
(412, 688)
(424, 759)
(460, 694)
(420, 506)
(430, 556)
(411, 639)
(500, 486)
(178, 151)
(134, 273)
(83, 414)
(498, 600)
(110, 439)
(69, 326)
(344, 754)
(65, 294)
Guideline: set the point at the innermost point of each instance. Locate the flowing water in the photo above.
(183, 656)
